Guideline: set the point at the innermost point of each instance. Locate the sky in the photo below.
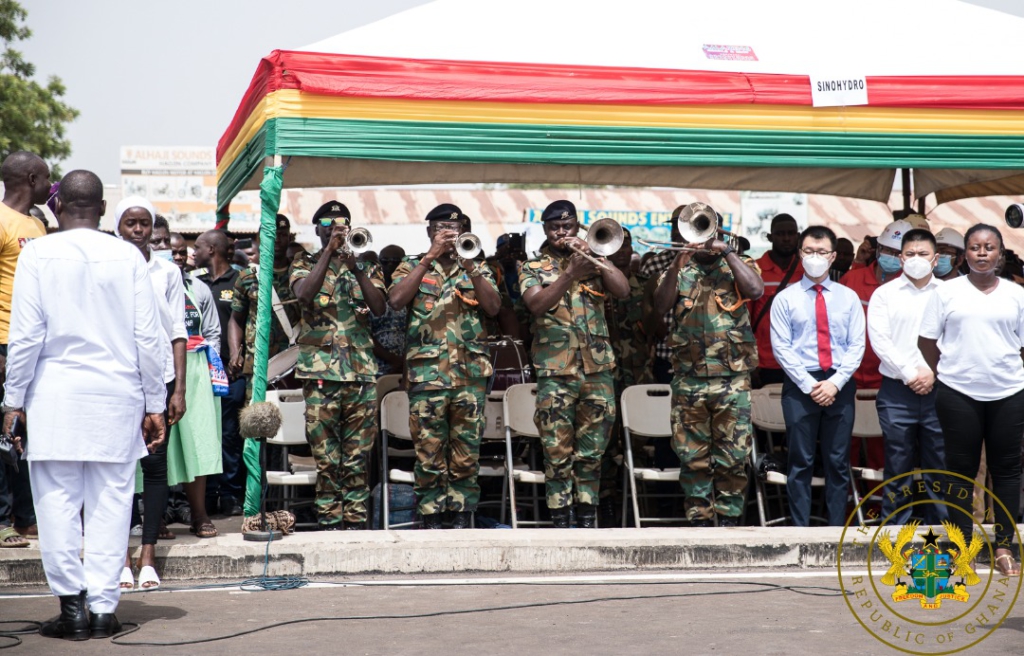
(168, 73)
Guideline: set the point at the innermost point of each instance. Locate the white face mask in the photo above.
(815, 266)
(917, 267)
(163, 254)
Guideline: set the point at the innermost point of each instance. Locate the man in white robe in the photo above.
(85, 364)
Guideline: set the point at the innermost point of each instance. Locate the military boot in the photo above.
(462, 519)
(73, 621)
(433, 521)
(586, 516)
(606, 512)
(560, 517)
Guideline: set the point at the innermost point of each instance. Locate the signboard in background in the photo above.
(653, 226)
(757, 208)
(838, 90)
(181, 182)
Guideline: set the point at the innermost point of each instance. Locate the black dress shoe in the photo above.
(73, 621)
(104, 625)
(560, 517)
(433, 521)
(462, 519)
(586, 516)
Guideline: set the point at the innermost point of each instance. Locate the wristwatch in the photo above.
(728, 249)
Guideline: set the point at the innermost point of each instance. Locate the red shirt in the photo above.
(864, 282)
(772, 275)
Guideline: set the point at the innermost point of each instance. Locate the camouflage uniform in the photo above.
(447, 363)
(338, 373)
(629, 342)
(245, 302)
(573, 357)
(713, 353)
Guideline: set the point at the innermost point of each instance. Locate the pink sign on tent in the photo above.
(730, 53)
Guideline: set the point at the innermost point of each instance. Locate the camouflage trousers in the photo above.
(711, 435)
(341, 422)
(575, 416)
(446, 428)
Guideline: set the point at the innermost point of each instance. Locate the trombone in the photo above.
(698, 222)
(604, 237)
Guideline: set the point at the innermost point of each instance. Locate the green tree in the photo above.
(33, 117)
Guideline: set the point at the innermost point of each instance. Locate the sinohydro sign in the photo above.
(922, 593)
(841, 85)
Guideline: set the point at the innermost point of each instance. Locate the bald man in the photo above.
(26, 184)
(213, 261)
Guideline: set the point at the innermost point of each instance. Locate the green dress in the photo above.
(194, 443)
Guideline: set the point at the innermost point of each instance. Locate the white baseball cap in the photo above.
(892, 236)
(949, 237)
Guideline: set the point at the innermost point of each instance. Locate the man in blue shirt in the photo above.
(817, 329)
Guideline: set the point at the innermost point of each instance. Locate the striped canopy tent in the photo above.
(647, 92)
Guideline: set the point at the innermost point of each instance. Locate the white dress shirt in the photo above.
(894, 324)
(794, 327)
(85, 356)
(170, 292)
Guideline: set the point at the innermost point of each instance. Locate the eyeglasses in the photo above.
(331, 221)
(809, 251)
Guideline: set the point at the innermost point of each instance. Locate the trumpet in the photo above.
(698, 222)
(604, 237)
(358, 241)
(467, 246)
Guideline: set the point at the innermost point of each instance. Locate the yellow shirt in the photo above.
(16, 230)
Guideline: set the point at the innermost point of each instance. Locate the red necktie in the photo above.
(824, 339)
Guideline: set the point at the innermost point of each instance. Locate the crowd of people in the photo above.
(114, 348)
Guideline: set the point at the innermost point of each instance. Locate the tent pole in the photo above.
(270, 202)
(920, 206)
(906, 190)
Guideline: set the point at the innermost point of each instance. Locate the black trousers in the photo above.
(807, 424)
(154, 485)
(967, 424)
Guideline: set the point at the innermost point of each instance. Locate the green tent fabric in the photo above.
(270, 201)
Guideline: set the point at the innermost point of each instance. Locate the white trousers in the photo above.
(61, 490)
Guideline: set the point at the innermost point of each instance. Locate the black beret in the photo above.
(283, 222)
(560, 209)
(331, 208)
(446, 212)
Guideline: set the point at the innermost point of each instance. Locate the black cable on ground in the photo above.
(758, 588)
(14, 633)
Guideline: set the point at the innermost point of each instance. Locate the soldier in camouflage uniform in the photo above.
(574, 359)
(447, 364)
(243, 310)
(336, 366)
(713, 353)
(632, 359)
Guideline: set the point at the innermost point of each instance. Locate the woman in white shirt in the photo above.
(972, 336)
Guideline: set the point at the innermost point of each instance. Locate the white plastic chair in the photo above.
(519, 405)
(292, 433)
(394, 424)
(866, 426)
(646, 412)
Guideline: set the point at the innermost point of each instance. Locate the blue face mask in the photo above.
(889, 263)
(943, 265)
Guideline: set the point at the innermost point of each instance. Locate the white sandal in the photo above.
(127, 580)
(148, 575)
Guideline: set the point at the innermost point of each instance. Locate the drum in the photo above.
(281, 369)
(511, 364)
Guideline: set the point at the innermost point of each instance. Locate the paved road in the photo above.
(664, 617)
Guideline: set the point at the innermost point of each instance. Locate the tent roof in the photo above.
(664, 113)
(801, 37)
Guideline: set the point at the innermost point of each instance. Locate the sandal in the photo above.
(127, 580)
(10, 539)
(204, 529)
(1006, 564)
(165, 533)
(148, 579)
